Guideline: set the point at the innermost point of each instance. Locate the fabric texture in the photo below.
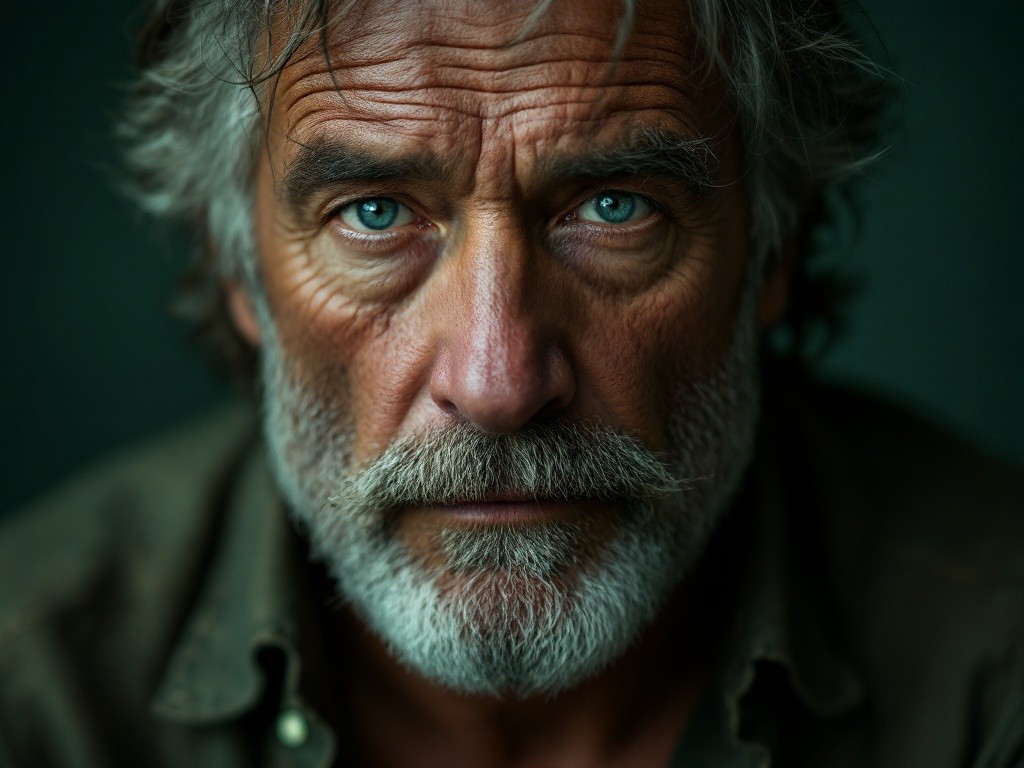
(161, 611)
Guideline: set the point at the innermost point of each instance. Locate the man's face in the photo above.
(502, 302)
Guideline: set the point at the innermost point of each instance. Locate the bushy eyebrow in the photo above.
(324, 163)
(646, 153)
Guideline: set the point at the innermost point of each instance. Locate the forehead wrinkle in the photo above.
(375, 98)
(560, 109)
(389, 57)
(403, 78)
(515, 29)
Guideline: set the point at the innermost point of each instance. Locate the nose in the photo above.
(499, 364)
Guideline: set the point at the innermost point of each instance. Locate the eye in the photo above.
(375, 214)
(612, 206)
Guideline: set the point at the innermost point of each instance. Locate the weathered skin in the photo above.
(496, 302)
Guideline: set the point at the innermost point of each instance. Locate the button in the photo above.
(292, 728)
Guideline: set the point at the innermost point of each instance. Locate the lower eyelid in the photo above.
(371, 237)
(384, 243)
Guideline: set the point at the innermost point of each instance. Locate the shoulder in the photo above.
(129, 508)
(922, 538)
(94, 577)
(919, 487)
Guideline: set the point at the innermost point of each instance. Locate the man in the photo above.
(523, 495)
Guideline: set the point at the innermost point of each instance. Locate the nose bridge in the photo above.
(503, 328)
(500, 366)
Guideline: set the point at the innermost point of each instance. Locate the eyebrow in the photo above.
(324, 163)
(646, 153)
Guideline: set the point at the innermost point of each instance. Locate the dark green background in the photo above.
(92, 359)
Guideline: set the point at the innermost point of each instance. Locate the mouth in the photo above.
(512, 508)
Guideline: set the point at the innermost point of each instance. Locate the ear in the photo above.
(243, 315)
(775, 291)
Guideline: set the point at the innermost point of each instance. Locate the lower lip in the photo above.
(513, 512)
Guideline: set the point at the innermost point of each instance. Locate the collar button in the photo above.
(292, 728)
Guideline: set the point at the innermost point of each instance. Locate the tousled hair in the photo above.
(809, 105)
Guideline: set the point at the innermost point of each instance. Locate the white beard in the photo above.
(514, 611)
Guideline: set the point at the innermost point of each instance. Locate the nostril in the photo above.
(447, 407)
(549, 409)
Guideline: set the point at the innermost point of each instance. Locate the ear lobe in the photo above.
(243, 315)
(775, 291)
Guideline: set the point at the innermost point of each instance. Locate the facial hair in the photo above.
(519, 610)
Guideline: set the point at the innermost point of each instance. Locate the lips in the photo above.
(512, 507)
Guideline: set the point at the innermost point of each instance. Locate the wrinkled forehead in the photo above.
(361, 31)
(481, 25)
(535, 72)
(502, 41)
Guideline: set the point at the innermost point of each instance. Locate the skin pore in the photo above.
(458, 221)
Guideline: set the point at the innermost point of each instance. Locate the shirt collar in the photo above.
(244, 604)
(256, 596)
(781, 614)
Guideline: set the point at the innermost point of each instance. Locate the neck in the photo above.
(630, 714)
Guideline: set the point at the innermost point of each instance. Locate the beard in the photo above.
(517, 610)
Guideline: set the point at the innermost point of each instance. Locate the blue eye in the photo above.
(375, 214)
(614, 207)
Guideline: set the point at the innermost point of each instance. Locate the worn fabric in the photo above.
(161, 611)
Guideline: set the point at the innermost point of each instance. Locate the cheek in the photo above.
(639, 354)
(348, 352)
(368, 362)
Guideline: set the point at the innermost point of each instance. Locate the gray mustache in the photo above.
(558, 460)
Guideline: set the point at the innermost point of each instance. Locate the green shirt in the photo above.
(160, 611)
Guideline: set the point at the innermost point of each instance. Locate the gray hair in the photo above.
(808, 103)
